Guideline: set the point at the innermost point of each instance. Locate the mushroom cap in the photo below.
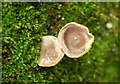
(75, 39)
(51, 53)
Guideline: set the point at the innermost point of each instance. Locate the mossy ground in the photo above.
(24, 24)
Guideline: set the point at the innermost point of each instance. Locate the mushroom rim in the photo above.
(63, 46)
(61, 51)
(51, 64)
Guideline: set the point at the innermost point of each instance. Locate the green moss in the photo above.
(24, 24)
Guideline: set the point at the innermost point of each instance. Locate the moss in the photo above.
(24, 24)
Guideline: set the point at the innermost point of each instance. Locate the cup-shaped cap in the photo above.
(51, 53)
(75, 39)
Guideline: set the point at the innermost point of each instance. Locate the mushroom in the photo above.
(75, 39)
(51, 53)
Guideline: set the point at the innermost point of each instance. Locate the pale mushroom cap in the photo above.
(75, 39)
(51, 53)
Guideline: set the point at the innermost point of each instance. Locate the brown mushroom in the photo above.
(51, 53)
(75, 39)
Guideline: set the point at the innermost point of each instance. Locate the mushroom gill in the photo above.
(75, 39)
(51, 53)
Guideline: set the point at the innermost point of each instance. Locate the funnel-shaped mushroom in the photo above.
(75, 39)
(51, 53)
